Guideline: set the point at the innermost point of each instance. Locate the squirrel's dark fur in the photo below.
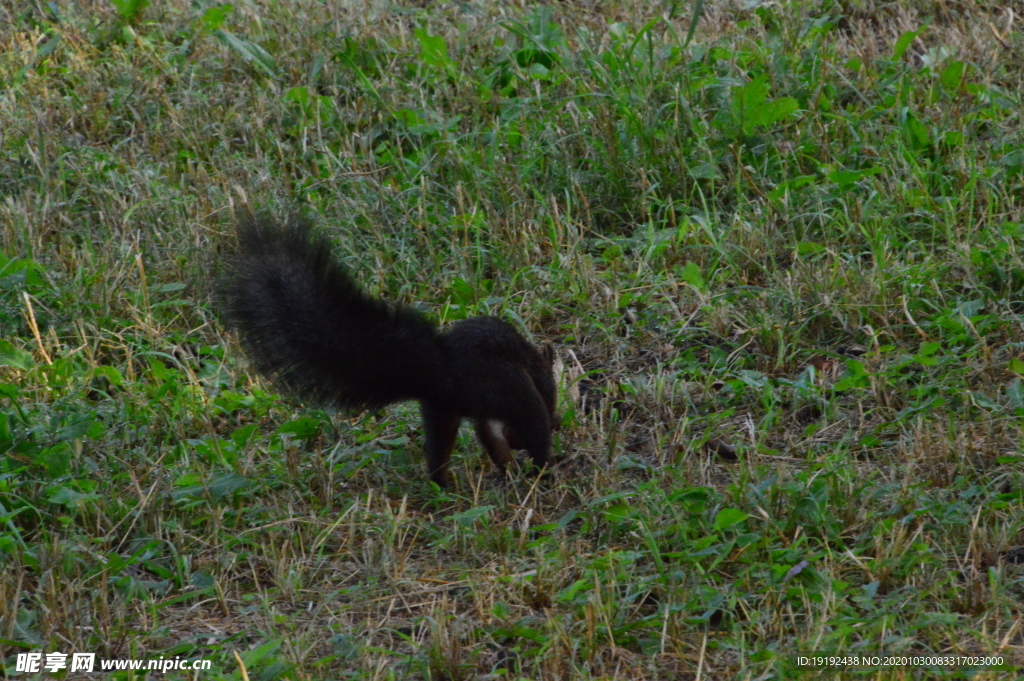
(308, 326)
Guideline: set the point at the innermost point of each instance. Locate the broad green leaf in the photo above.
(299, 95)
(250, 52)
(213, 18)
(751, 107)
(1015, 394)
(952, 75)
(856, 376)
(692, 275)
(301, 428)
(467, 518)
(15, 357)
(904, 41)
(704, 171)
(226, 485)
(847, 178)
(808, 248)
(728, 517)
(130, 9)
(769, 113)
(433, 49)
(69, 498)
(110, 373)
(916, 132)
(617, 513)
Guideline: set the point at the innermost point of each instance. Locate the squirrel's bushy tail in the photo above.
(307, 325)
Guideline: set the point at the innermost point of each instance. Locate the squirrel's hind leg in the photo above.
(489, 432)
(529, 428)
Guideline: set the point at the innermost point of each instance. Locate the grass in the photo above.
(779, 252)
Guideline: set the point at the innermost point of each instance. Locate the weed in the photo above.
(777, 245)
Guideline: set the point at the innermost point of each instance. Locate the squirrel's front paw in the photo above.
(442, 479)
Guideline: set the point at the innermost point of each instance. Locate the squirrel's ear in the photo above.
(547, 352)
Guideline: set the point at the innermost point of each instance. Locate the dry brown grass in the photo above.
(575, 206)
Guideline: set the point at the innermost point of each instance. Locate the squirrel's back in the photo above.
(304, 322)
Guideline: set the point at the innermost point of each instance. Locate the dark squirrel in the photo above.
(307, 325)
